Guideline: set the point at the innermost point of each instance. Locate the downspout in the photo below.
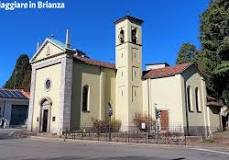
(148, 89)
(101, 94)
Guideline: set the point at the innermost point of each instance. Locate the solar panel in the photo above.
(4, 93)
(1, 94)
(19, 94)
(13, 93)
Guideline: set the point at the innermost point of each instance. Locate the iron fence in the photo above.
(172, 135)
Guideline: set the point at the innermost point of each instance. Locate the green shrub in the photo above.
(101, 126)
(115, 125)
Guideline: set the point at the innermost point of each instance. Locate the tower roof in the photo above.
(130, 18)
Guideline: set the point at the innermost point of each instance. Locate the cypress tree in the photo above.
(21, 76)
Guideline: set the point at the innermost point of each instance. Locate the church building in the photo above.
(69, 89)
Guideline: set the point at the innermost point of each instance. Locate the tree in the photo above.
(187, 53)
(214, 37)
(20, 78)
(214, 30)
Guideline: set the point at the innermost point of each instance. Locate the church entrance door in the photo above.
(45, 116)
(45, 120)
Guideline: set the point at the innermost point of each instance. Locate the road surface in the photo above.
(54, 149)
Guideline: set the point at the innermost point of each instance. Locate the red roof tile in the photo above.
(95, 62)
(166, 71)
(26, 94)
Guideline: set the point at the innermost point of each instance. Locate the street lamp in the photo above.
(110, 113)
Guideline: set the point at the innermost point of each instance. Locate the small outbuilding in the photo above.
(179, 93)
(13, 107)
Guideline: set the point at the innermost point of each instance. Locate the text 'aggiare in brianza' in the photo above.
(31, 5)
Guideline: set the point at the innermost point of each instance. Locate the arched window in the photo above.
(121, 36)
(85, 107)
(189, 99)
(198, 109)
(134, 35)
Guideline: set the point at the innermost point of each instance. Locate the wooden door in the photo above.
(164, 120)
(45, 121)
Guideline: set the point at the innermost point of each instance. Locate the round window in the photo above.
(47, 84)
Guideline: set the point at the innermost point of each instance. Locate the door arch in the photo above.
(45, 116)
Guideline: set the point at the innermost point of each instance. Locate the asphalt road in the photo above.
(46, 149)
(7, 133)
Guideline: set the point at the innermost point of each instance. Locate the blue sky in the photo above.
(168, 24)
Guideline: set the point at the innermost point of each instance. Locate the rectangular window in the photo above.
(54, 119)
(121, 90)
(85, 107)
(134, 73)
(134, 93)
(135, 57)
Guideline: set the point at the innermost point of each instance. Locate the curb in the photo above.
(104, 142)
(132, 144)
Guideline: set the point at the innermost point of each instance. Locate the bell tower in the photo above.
(128, 61)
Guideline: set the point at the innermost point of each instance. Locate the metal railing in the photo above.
(173, 135)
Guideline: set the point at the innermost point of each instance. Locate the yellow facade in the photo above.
(165, 94)
(170, 94)
(129, 72)
(101, 82)
(42, 75)
(74, 76)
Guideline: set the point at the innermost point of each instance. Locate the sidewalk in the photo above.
(200, 146)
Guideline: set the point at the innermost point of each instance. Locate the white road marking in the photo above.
(209, 150)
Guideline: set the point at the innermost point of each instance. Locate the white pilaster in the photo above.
(31, 101)
(65, 94)
(205, 109)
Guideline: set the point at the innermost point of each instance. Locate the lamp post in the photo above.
(110, 113)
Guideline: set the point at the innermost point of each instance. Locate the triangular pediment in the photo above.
(48, 49)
